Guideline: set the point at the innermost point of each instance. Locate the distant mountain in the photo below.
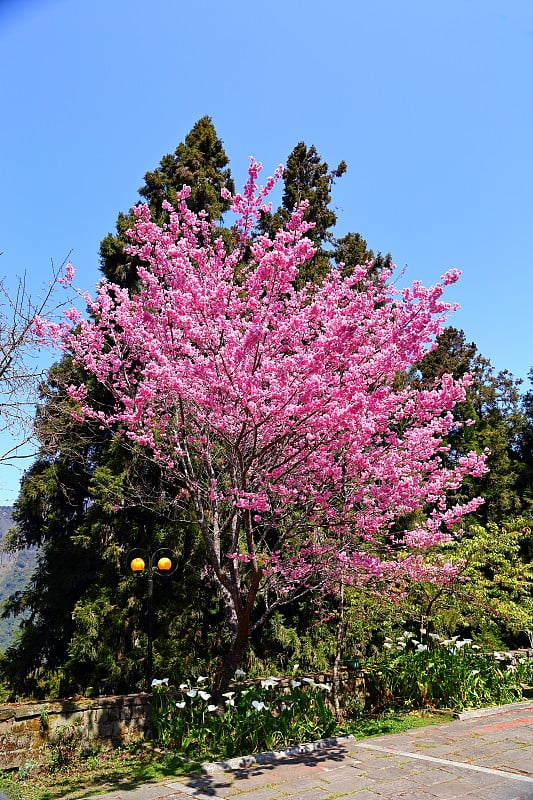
(15, 572)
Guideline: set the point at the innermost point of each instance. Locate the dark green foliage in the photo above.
(294, 635)
(351, 251)
(116, 265)
(525, 448)
(89, 498)
(441, 678)
(493, 403)
(47, 601)
(82, 590)
(201, 163)
(307, 177)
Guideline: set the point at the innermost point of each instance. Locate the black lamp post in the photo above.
(161, 562)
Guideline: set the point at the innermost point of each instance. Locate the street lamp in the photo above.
(161, 562)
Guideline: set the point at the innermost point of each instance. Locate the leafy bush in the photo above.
(524, 670)
(448, 674)
(252, 719)
(65, 746)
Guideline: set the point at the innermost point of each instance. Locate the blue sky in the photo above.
(429, 103)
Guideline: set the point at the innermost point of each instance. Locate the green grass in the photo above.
(127, 768)
(394, 722)
(124, 768)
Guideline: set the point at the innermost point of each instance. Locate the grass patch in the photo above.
(106, 771)
(394, 722)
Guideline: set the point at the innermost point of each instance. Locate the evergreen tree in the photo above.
(525, 447)
(493, 403)
(199, 162)
(87, 500)
(307, 177)
(352, 250)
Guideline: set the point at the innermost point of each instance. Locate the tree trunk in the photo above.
(233, 660)
(341, 632)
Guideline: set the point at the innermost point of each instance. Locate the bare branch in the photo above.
(21, 363)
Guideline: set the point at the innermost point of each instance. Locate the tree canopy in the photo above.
(273, 411)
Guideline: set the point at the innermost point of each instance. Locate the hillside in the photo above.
(15, 571)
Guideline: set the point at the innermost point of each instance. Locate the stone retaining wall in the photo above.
(28, 729)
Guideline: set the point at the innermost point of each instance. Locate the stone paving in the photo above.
(480, 757)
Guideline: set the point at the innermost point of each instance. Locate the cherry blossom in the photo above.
(277, 412)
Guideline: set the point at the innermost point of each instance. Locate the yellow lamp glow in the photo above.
(137, 565)
(164, 564)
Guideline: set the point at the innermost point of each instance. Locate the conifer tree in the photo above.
(525, 446)
(493, 403)
(307, 177)
(104, 502)
(199, 162)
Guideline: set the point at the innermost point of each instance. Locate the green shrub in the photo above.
(65, 746)
(524, 671)
(449, 674)
(252, 719)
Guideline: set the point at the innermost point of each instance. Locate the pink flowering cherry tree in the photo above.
(277, 413)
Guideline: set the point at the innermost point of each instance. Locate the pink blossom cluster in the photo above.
(276, 410)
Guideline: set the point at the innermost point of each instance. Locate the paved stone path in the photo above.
(484, 756)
